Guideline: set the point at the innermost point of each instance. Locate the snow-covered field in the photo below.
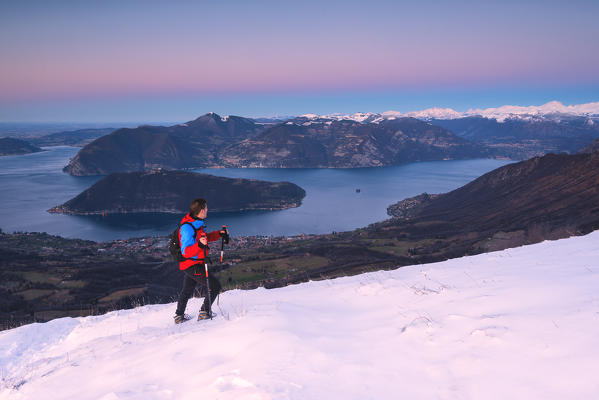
(517, 324)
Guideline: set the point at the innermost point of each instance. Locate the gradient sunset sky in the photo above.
(161, 61)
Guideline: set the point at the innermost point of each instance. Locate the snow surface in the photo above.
(552, 110)
(521, 323)
(436, 113)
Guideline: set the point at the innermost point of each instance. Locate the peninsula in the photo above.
(13, 147)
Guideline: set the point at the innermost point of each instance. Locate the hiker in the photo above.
(194, 247)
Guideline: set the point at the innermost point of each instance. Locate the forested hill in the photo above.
(541, 198)
(172, 192)
(193, 144)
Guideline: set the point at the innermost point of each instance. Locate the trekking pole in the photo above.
(222, 243)
(208, 290)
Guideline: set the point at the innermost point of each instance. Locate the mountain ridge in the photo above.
(77, 138)
(553, 196)
(521, 139)
(302, 143)
(591, 148)
(551, 110)
(214, 141)
(183, 146)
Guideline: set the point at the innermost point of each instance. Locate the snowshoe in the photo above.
(204, 315)
(181, 318)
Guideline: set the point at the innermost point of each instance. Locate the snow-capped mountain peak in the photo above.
(358, 117)
(550, 110)
(434, 113)
(547, 109)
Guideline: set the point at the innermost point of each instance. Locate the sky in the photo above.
(146, 60)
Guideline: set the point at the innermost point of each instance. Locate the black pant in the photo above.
(196, 275)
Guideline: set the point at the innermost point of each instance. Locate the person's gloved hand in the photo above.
(203, 242)
(224, 233)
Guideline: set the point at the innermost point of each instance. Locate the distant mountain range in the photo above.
(525, 138)
(172, 192)
(307, 143)
(77, 138)
(12, 146)
(214, 141)
(343, 141)
(553, 110)
(509, 131)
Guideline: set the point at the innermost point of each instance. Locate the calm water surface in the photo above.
(32, 183)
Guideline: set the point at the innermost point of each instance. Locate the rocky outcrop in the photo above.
(11, 146)
(173, 191)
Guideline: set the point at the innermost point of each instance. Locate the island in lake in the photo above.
(173, 191)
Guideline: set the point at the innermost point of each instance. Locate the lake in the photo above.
(31, 184)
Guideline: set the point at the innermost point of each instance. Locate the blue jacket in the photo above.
(191, 248)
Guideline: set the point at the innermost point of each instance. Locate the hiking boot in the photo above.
(204, 315)
(181, 318)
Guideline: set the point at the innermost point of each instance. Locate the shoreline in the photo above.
(65, 211)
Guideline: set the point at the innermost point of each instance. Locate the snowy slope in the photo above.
(553, 110)
(517, 324)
